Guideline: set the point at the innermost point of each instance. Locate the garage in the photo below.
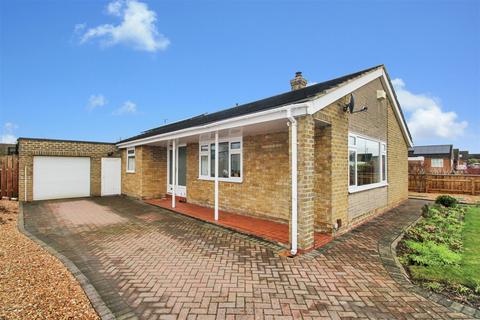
(60, 177)
(57, 169)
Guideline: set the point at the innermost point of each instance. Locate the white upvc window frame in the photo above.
(208, 153)
(130, 155)
(437, 166)
(383, 151)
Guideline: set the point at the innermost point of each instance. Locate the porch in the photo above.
(266, 229)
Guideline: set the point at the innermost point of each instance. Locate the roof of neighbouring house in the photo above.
(273, 102)
(441, 149)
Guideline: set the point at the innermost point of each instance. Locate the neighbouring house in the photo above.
(431, 159)
(8, 149)
(320, 158)
(304, 157)
(466, 162)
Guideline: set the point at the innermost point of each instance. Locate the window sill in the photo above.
(130, 171)
(356, 189)
(234, 180)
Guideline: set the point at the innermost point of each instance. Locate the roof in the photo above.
(63, 140)
(442, 149)
(273, 102)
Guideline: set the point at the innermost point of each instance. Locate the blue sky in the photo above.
(100, 70)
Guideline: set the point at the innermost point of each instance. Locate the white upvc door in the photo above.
(111, 176)
(180, 170)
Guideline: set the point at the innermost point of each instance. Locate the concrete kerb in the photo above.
(388, 254)
(97, 302)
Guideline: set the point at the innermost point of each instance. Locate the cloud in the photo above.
(96, 101)
(8, 133)
(427, 119)
(79, 27)
(137, 28)
(128, 107)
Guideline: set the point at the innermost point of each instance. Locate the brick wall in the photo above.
(306, 181)
(265, 190)
(323, 178)
(397, 159)
(150, 177)
(332, 199)
(366, 203)
(28, 148)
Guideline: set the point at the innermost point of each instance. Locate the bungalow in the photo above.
(431, 159)
(322, 158)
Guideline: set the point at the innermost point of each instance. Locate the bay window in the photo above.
(367, 163)
(229, 160)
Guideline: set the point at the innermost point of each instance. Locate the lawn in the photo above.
(442, 252)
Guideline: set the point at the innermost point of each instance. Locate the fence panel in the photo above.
(444, 183)
(9, 177)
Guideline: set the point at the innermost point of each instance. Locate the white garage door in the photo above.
(61, 177)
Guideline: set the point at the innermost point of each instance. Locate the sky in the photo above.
(107, 70)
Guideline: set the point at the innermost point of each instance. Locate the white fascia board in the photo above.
(397, 108)
(330, 97)
(249, 119)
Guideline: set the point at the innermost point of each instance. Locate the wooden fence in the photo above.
(444, 183)
(9, 176)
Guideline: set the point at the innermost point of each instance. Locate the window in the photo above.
(229, 160)
(437, 163)
(131, 160)
(352, 167)
(204, 160)
(367, 163)
(384, 162)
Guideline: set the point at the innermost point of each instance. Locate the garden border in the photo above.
(387, 248)
(97, 302)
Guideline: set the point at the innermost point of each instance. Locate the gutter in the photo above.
(275, 114)
(293, 124)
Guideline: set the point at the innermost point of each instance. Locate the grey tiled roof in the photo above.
(431, 150)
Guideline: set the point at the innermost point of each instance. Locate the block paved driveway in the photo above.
(150, 263)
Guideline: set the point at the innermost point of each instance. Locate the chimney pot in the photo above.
(298, 82)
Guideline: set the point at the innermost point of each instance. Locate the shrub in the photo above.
(435, 286)
(430, 253)
(446, 201)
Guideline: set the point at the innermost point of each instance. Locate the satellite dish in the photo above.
(350, 105)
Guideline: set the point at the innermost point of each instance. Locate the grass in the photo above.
(442, 252)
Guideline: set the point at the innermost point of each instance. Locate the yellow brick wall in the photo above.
(265, 190)
(335, 194)
(397, 159)
(150, 177)
(332, 199)
(28, 148)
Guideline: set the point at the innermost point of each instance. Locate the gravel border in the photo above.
(98, 304)
(387, 248)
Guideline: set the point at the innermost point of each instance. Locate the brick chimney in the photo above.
(298, 82)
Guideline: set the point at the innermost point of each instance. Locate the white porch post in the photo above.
(174, 171)
(216, 175)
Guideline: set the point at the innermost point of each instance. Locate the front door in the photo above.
(180, 171)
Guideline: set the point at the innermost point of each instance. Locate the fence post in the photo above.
(426, 183)
(473, 186)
